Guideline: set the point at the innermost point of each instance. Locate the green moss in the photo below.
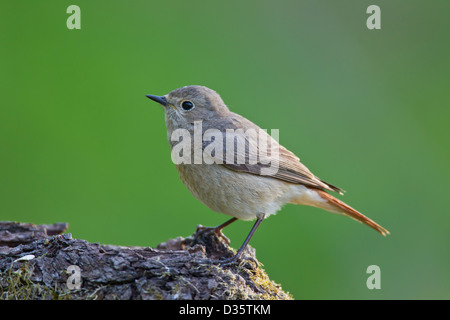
(154, 292)
(273, 290)
(247, 281)
(17, 285)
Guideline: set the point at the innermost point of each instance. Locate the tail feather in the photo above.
(349, 211)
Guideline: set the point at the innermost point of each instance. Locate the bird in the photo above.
(245, 190)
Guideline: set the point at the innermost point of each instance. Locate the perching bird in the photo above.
(244, 178)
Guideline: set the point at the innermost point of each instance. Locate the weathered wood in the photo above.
(13, 233)
(34, 261)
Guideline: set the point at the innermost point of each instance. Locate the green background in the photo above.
(366, 110)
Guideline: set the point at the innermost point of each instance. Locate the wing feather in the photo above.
(255, 156)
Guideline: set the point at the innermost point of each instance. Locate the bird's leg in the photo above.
(217, 230)
(237, 256)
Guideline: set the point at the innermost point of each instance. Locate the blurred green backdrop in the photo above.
(366, 110)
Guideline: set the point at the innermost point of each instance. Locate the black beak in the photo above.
(160, 99)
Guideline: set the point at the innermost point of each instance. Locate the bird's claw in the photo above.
(218, 232)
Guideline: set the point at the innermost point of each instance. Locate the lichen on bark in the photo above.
(178, 269)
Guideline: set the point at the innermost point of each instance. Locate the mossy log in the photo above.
(35, 263)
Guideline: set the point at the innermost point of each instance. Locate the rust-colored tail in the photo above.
(349, 211)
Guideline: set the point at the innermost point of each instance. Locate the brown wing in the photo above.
(289, 167)
(292, 170)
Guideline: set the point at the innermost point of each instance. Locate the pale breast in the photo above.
(241, 195)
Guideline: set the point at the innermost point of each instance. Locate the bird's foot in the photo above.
(237, 260)
(201, 230)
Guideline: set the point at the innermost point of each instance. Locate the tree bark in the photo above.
(42, 262)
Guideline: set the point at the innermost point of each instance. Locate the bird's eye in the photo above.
(187, 105)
